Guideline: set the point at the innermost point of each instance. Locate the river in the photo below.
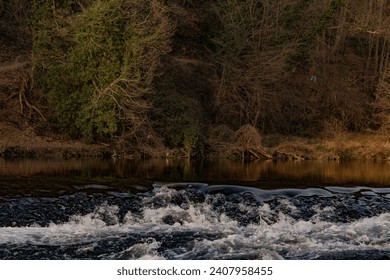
(181, 209)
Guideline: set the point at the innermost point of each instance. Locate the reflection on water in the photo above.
(260, 173)
(91, 209)
(36, 167)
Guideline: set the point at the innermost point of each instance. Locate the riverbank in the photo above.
(204, 97)
(17, 142)
(346, 146)
(21, 135)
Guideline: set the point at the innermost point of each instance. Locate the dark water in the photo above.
(194, 210)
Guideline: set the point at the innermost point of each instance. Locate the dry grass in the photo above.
(243, 143)
(341, 146)
(360, 146)
(247, 137)
(335, 143)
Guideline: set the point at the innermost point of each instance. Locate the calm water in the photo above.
(165, 209)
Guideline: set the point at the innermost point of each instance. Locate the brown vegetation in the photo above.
(297, 79)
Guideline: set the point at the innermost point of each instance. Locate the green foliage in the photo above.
(176, 122)
(97, 61)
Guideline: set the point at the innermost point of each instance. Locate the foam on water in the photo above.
(215, 223)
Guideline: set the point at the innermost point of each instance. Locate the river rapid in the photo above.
(198, 221)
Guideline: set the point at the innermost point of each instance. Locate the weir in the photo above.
(204, 222)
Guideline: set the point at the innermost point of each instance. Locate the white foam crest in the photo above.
(234, 246)
(140, 251)
(321, 212)
(287, 205)
(281, 232)
(199, 216)
(298, 238)
(304, 237)
(79, 229)
(163, 192)
(56, 234)
(103, 222)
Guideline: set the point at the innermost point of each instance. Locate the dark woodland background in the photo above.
(202, 77)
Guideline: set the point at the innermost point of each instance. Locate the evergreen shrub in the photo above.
(96, 60)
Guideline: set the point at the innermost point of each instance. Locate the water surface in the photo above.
(88, 209)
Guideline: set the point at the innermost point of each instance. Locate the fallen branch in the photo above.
(25, 88)
(259, 153)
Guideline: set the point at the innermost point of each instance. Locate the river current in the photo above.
(187, 220)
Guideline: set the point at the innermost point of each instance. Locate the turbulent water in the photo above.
(198, 221)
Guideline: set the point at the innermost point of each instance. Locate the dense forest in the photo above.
(203, 77)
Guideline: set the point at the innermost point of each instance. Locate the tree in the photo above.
(96, 62)
(251, 50)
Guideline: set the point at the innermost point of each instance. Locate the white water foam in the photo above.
(277, 233)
